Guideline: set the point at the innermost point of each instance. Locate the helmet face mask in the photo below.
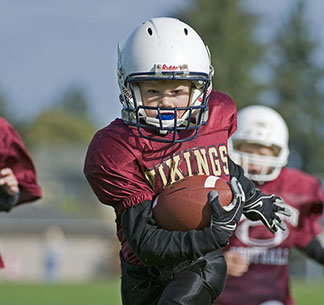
(260, 126)
(269, 167)
(164, 49)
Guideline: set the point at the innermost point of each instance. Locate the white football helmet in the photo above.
(260, 125)
(164, 48)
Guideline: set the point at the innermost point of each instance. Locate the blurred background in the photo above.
(58, 85)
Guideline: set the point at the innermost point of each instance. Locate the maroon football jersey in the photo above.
(1, 262)
(124, 169)
(14, 155)
(267, 277)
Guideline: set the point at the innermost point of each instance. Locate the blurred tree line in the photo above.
(66, 122)
(294, 85)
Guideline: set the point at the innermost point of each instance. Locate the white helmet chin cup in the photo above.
(164, 49)
(264, 126)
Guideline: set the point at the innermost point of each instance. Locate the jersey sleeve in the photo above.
(310, 217)
(222, 112)
(18, 159)
(113, 173)
(232, 117)
(310, 228)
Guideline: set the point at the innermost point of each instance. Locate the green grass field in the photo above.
(107, 293)
(97, 293)
(308, 293)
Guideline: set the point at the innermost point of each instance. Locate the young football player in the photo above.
(164, 74)
(18, 180)
(258, 261)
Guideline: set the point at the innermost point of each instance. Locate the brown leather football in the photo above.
(184, 205)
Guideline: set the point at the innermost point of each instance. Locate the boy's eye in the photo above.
(152, 91)
(176, 92)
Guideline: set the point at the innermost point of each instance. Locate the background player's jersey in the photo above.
(14, 155)
(1, 262)
(267, 277)
(125, 169)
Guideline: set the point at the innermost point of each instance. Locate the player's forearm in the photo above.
(155, 246)
(315, 250)
(238, 172)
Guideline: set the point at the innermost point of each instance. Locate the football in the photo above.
(184, 206)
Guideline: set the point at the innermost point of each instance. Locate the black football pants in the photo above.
(198, 282)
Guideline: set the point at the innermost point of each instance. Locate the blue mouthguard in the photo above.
(166, 116)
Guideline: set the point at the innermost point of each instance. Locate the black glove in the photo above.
(225, 219)
(263, 207)
(7, 201)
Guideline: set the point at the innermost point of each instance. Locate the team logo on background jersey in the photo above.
(243, 231)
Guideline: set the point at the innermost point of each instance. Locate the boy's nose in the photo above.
(255, 169)
(166, 101)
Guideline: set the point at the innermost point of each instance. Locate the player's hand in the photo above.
(9, 190)
(237, 265)
(263, 207)
(226, 218)
(9, 181)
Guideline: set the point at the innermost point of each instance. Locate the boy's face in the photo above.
(165, 93)
(257, 149)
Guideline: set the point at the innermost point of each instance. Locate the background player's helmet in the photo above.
(260, 125)
(164, 48)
